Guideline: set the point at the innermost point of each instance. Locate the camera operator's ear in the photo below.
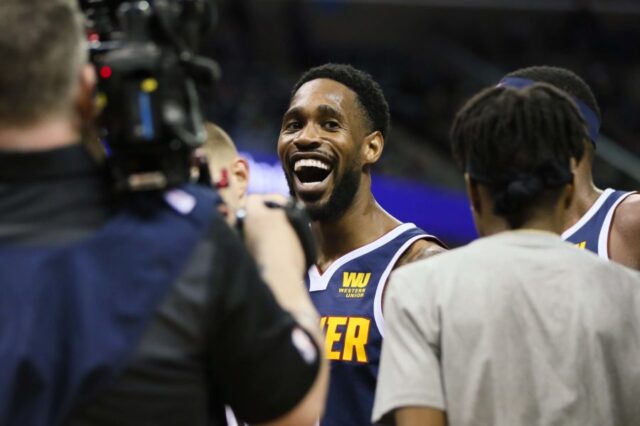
(85, 101)
(240, 170)
(86, 112)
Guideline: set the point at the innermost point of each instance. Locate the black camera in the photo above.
(150, 114)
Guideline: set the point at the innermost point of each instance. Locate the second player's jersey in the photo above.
(348, 296)
(591, 232)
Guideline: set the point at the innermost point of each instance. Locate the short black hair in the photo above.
(519, 144)
(562, 78)
(368, 91)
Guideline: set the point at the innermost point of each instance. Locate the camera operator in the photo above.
(144, 311)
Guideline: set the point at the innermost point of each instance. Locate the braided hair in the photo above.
(519, 143)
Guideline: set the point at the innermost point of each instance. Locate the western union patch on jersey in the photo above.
(354, 284)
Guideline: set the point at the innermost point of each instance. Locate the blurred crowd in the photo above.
(426, 72)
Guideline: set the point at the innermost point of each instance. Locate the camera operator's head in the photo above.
(46, 83)
(229, 171)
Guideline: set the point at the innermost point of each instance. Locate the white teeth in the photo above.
(308, 162)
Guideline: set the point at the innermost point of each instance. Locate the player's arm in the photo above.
(421, 249)
(624, 241)
(419, 416)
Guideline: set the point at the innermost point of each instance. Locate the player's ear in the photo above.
(85, 101)
(568, 193)
(473, 192)
(240, 170)
(372, 147)
(573, 164)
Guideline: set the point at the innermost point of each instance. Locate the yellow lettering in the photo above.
(356, 339)
(355, 279)
(332, 336)
(582, 245)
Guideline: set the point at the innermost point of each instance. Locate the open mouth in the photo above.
(310, 171)
(311, 177)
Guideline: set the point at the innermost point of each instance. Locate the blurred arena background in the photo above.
(429, 56)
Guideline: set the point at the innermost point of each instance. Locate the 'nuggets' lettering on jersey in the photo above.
(346, 338)
(348, 296)
(354, 284)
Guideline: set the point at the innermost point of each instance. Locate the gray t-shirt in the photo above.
(518, 328)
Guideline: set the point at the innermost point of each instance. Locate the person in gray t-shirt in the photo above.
(519, 327)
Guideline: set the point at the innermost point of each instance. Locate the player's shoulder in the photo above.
(624, 244)
(627, 215)
(425, 279)
(439, 260)
(420, 249)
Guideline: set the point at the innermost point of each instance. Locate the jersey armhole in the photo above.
(377, 301)
(605, 231)
(568, 233)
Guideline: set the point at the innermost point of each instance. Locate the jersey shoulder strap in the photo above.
(378, 253)
(591, 232)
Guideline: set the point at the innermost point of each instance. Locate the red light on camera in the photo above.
(106, 72)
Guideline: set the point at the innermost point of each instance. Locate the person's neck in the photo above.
(586, 193)
(46, 134)
(542, 220)
(364, 222)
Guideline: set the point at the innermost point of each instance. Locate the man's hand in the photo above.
(277, 250)
(266, 228)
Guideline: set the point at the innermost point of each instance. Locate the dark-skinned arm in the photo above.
(421, 249)
(419, 416)
(624, 240)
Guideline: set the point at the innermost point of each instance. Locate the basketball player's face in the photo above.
(319, 147)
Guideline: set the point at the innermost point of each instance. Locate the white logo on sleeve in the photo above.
(180, 201)
(304, 345)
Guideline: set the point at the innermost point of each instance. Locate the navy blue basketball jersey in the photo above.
(348, 297)
(591, 232)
